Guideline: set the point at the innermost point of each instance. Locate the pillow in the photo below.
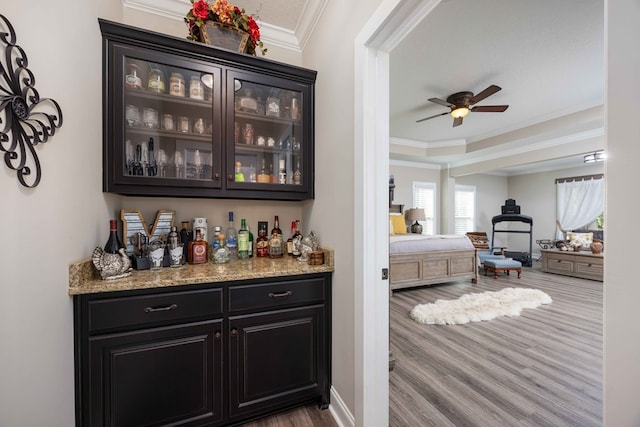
(583, 239)
(479, 240)
(398, 226)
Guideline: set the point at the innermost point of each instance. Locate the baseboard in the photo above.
(339, 411)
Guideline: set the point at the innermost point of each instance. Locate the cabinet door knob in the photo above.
(216, 176)
(280, 294)
(234, 332)
(217, 335)
(155, 309)
(230, 177)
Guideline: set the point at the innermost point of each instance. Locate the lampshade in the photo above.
(460, 112)
(416, 215)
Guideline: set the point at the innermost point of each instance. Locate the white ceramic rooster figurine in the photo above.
(111, 266)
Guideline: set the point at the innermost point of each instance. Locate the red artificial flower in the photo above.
(254, 30)
(200, 9)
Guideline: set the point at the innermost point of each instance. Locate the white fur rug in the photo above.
(480, 306)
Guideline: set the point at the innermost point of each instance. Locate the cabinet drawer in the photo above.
(594, 269)
(277, 294)
(560, 265)
(112, 313)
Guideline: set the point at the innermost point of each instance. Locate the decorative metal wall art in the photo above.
(25, 119)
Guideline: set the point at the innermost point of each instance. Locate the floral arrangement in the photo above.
(225, 13)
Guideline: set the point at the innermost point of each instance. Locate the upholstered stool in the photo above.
(506, 265)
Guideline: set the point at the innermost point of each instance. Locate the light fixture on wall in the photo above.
(416, 215)
(596, 156)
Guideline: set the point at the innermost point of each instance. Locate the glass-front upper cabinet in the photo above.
(271, 134)
(185, 119)
(166, 121)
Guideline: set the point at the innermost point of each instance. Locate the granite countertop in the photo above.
(83, 278)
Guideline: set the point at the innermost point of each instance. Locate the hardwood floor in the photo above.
(304, 416)
(543, 368)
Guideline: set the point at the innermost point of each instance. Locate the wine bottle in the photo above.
(297, 238)
(113, 243)
(250, 242)
(186, 235)
(232, 238)
(290, 239)
(243, 240)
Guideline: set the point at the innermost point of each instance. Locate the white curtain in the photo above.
(578, 203)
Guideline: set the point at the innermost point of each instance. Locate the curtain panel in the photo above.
(579, 203)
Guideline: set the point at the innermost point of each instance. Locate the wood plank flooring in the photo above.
(543, 368)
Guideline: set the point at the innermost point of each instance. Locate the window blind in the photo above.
(424, 197)
(464, 208)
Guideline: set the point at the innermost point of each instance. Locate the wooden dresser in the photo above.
(581, 264)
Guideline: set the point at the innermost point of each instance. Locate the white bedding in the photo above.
(409, 243)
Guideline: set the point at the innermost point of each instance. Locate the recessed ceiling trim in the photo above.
(422, 144)
(311, 13)
(406, 163)
(523, 149)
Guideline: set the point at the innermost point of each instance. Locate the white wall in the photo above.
(405, 176)
(60, 222)
(621, 290)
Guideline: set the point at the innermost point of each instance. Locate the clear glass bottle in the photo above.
(174, 246)
(239, 174)
(231, 241)
(156, 81)
(297, 175)
(282, 172)
(221, 254)
(275, 246)
(243, 240)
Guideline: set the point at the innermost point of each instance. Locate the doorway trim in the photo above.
(388, 25)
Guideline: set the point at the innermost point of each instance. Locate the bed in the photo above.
(418, 260)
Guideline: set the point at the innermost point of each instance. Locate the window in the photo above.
(424, 197)
(465, 208)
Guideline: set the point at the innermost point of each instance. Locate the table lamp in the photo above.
(416, 215)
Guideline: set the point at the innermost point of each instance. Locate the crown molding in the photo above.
(410, 164)
(284, 38)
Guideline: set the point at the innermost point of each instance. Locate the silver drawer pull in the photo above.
(154, 309)
(281, 294)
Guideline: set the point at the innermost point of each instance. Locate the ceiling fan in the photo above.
(461, 103)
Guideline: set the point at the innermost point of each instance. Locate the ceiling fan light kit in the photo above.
(460, 104)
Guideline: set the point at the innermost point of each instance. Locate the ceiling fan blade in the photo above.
(441, 102)
(457, 121)
(490, 108)
(485, 93)
(432, 117)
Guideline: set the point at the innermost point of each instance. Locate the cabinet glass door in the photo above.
(170, 121)
(269, 137)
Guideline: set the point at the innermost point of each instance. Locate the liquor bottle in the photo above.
(282, 172)
(221, 254)
(114, 244)
(186, 235)
(243, 240)
(250, 242)
(197, 252)
(262, 242)
(290, 239)
(231, 241)
(239, 174)
(297, 238)
(215, 242)
(275, 246)
(276, 227)
(297, 175)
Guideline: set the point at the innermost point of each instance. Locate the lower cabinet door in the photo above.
(276, 359)
(162, 376)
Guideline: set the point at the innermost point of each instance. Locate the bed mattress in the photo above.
(411, 243)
